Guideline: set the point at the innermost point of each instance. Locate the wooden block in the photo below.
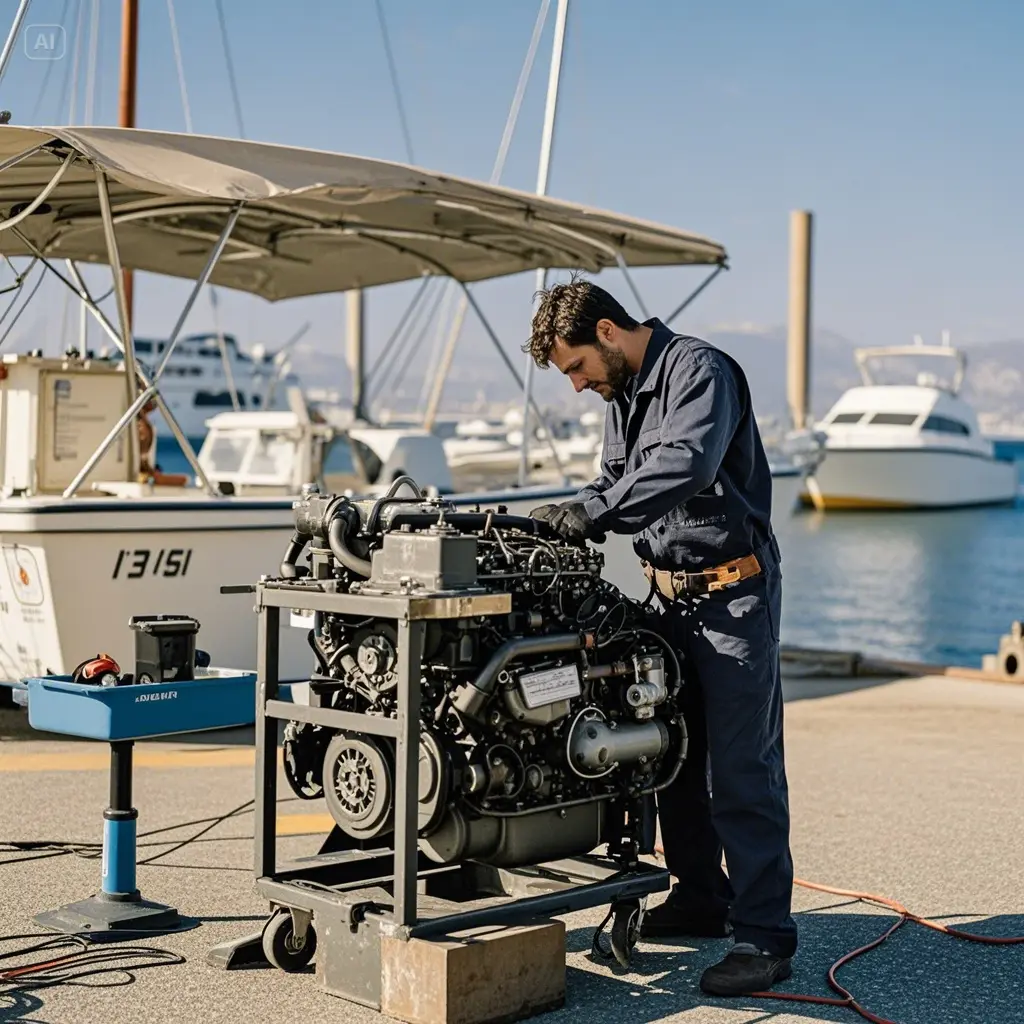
(480, 976)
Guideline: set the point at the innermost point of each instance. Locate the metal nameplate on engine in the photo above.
(459, 607)
(549, 686)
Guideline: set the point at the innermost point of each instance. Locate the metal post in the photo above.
(12, 36)
(543, 169)
(434, 402)
(119, 825)
(132, 368)
(410, 654)
(515, 376)
(128, 348)
(355, 335)
(799, 348)
(265, 810)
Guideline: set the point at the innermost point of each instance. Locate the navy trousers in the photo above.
(732, 793)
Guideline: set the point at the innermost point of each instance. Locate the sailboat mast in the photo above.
(543, 169)
(126, 116)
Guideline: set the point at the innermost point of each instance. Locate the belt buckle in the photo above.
(732, 575)
(692, 584)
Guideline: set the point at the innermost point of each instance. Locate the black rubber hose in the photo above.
(389, 496)
(472, 696)
(336, 539)
(289, 570)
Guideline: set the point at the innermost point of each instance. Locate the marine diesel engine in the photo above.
(545, 731)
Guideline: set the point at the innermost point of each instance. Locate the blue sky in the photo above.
(897, 123)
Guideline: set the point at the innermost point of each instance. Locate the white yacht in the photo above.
(908, 445)
(201, 377)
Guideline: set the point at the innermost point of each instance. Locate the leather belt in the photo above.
(672, 585)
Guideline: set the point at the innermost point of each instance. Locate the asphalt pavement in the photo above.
(910, 788)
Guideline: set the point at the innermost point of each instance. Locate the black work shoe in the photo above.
(671, 920)
(746, 969)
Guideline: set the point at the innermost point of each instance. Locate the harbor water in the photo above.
(938, 587)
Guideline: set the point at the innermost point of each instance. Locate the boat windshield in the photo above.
(263, 456)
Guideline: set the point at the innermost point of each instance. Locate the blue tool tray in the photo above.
(217, 699)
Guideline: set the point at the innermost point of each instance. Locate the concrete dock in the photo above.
(910, 787)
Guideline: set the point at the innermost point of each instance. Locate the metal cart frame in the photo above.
(338, 885)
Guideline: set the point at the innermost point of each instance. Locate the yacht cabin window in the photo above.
(946, 425)
(847, 417)
(893, 419)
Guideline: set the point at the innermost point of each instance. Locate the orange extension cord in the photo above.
(905, 915)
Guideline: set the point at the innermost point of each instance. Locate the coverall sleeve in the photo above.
(701, 416)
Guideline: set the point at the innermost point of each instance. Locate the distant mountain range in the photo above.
(478, 380)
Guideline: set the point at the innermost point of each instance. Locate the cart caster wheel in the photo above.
(627, 917)
(280, 947)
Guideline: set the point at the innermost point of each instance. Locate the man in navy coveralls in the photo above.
(684, 471)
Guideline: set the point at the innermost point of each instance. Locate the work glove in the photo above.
(544, 513)
(571, 522)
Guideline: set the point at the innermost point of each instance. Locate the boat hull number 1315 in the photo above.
(132, 565)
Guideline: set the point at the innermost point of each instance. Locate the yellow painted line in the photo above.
(296, 824)
(99, 759)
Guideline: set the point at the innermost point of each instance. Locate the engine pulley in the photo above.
(359, 786)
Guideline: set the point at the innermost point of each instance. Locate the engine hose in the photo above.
(289, 570)
(404, 480)
(389, 496)
(472, 696)
(336, 539)
(684, 746)
(314, 647)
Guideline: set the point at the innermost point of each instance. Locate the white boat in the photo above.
(209, 373)
(908, 445)
(90, 539)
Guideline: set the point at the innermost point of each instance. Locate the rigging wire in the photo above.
(398, 330)
(25, 305)
(231, 68)
(180, 67)
(496, 172)
(413, 327)
(394, 81)
(405, 364)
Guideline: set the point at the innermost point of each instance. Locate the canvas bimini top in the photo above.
(310, 222)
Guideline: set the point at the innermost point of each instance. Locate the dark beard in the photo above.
(617, 373)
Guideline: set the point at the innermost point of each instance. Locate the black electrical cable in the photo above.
(49, 972)
(43, 849)
(213, 823)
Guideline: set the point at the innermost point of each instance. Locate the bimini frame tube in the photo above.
(693, 295)
(125, 344)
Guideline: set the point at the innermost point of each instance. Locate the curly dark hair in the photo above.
(571, 311)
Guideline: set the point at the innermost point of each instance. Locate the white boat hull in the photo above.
(910, 478)
(786, 489)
